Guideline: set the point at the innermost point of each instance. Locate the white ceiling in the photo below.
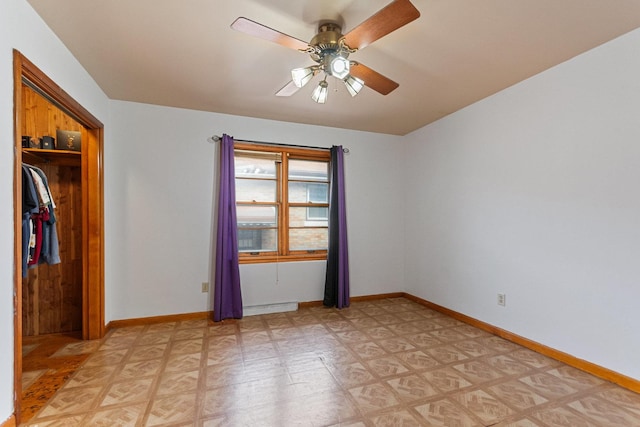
(184, 54)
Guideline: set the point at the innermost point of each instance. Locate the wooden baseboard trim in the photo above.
(362, 298)
(124, 323)
(591, 368)
(11, 422)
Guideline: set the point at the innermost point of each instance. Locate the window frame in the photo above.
(283, 253)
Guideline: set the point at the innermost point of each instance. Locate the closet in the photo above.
(52, 294)
(69, 296)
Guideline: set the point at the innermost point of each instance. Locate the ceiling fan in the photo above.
(330, 49)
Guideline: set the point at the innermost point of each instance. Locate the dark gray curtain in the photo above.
(227, 298)
(336, 287)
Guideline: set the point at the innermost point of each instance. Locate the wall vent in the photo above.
(255, 310)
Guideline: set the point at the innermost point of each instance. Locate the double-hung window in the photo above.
(282, 201)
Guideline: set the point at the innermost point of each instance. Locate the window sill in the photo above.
(262, 259)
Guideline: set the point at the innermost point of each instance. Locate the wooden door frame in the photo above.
(93, 324)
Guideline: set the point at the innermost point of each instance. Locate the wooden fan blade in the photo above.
(288, 89)
(373, 79)
(388, 19)
(256, 29)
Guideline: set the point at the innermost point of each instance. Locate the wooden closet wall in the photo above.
(52, 294)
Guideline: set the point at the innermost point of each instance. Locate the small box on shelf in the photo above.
(68, 140)
(47, 142)
(31, 142)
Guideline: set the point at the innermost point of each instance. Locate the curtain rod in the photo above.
(216, 138)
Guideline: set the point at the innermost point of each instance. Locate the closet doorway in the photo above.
(68, 297)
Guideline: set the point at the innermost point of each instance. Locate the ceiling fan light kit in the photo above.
(330, 49)
(321, 92)
(354, 85)
(302, 76)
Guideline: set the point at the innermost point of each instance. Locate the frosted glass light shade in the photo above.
(301, 76)
(354, 85)
(339, 67)
(321, 92)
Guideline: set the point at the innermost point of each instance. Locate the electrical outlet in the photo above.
(502, 299)
(205, 286)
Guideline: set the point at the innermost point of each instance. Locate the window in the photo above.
(282, 203)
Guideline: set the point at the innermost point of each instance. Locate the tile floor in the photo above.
(389, 362)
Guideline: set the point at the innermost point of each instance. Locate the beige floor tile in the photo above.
(445, 413)
(124, 416)
(388, 362)
(173, 409)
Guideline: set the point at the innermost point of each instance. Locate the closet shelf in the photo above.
(71, 158)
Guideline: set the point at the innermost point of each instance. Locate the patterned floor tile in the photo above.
(255, 337)
(368, 350)
(173, 409)
(71, 401)
(373, 397)
(388, 319)
(477, 372)
(403, 328)
(549, 385)
(178, 382)
(486, 407)
(156, 338)
(146, 352)
(63, 421)
(423, 340)
(517, 395)
(352, 336)
(139, 369)
(187, 346)
(128, 392)
(189, 334)
(417, 360)
(447, 354)
(533, 359)
(162, 327)
(576, 378)
(444, 413)
(524, 422)
(91, 376)
(401, 418)
(412, 387)
(624, 398)
(562, 417)
(473, 348)
(387, 362)
(352, 374)
(507, 365)
(82, 347)
(183, 362)
(106, 357)
(605, 413)
(447, 379)
(386, 366)
(395, 345)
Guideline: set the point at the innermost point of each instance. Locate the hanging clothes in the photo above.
(39, 234)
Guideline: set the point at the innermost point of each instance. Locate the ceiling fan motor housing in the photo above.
(327, 42)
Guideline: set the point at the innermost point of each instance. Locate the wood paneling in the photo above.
(52, 294)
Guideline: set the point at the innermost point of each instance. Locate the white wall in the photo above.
(159, 201)
(535, 192)
(22, 29)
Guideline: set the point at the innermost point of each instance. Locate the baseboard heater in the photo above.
(269, 308)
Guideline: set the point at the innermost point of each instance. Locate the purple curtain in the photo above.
(227, 298)
(336, 287)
